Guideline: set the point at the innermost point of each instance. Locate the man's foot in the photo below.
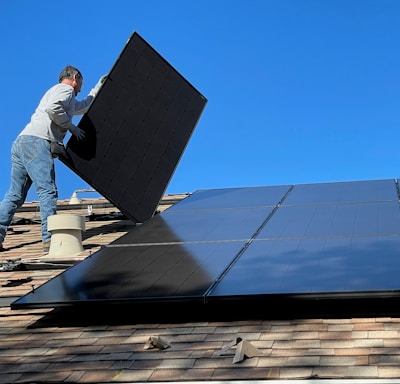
(46, 246)
(2, 249)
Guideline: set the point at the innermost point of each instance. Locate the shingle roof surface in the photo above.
(49, 346)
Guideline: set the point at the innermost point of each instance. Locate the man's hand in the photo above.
(103, 79)
(77, 132)
(94, 91)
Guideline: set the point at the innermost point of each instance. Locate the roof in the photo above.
(52, 346)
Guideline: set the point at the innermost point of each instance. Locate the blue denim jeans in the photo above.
(31, 163)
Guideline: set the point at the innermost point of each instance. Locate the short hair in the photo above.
(68, 73)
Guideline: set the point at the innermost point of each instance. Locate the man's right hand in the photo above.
(77, 132)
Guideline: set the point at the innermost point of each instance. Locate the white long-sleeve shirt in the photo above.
(53, 116)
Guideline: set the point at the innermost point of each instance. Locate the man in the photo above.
(32, 160)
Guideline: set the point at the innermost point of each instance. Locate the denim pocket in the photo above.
(27, 148)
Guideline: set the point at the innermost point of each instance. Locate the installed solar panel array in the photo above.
(219, 245)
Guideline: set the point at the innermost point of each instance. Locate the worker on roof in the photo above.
(34, 149)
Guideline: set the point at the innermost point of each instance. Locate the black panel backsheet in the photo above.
(136, 130)
(329, 240)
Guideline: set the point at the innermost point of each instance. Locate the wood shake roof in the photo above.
(54, 346)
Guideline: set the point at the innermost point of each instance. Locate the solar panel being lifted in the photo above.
(259, 246)
(136, 130)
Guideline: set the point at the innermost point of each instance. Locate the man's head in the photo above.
(72, 76)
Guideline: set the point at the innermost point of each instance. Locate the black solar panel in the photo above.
(328, 240)
(136, 130)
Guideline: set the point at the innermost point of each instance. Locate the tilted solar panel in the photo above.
(136, 130)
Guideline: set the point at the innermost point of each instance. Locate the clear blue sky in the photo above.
(299, 91)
